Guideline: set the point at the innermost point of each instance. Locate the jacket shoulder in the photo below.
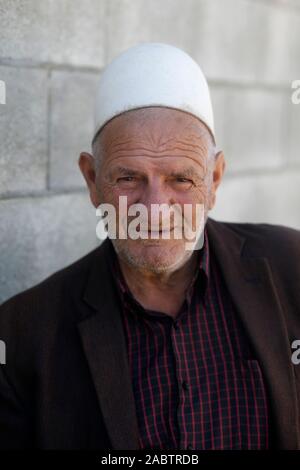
(47, 298)
(264, 239)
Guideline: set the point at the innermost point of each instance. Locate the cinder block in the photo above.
(132, 21)
(293, 133)
(41, 235)
(251, 125)
(232, 40)
(72, 120)
(65, 31)
(271, 198)
(285, 3)
(23, 130)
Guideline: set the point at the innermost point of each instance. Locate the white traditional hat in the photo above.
(152, 74)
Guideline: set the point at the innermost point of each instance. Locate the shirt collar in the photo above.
(199, 281)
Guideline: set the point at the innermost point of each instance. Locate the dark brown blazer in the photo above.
(66, 382)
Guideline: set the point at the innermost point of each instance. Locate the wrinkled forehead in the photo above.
(157, 125)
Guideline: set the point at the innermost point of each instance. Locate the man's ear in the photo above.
(219, 166)
(86, 164)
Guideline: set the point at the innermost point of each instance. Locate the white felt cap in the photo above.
(152, 74)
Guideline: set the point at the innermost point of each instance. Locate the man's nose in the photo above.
(155, 193)
(157, 199)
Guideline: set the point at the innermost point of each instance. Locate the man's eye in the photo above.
(182, 184)
(183, 180)
(180, 179)
(126, 178)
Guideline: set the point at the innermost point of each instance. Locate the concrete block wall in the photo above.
(51, 55)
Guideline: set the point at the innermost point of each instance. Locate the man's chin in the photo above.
(155, 255)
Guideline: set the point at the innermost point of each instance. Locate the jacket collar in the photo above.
(104, 345)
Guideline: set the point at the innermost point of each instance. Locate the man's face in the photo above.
(155, 156)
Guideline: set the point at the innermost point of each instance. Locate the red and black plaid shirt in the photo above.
(195, 381)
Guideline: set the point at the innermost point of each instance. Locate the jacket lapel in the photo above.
(251, 285)
(105, 349)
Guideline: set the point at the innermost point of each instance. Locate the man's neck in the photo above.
(164, 291)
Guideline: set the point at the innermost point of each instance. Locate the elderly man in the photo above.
(143, 343)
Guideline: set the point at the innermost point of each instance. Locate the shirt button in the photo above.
(185, 385)
(190, 447)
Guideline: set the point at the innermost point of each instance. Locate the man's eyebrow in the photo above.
(123, 170)
(189, 172)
